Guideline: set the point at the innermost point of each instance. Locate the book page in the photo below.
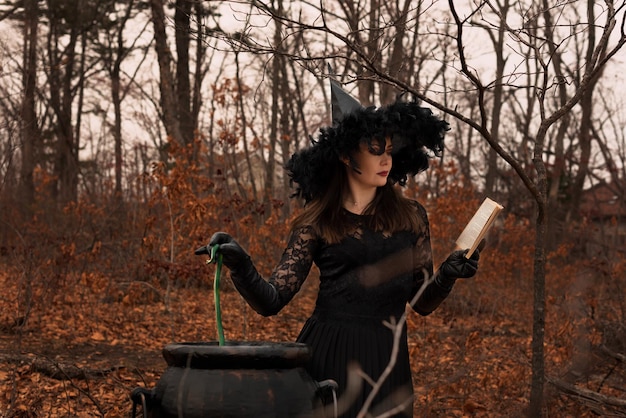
(477, 227)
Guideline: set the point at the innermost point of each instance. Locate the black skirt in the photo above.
(340, 346)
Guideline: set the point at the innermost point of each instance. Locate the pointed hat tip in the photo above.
(342, 103)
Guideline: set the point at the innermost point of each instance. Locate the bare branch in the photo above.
(586, 394)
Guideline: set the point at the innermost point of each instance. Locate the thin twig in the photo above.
(397, 329)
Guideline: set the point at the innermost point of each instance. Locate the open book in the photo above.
(477, 227)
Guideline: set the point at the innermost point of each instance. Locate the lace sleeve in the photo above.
(295, 263)
(433, 294)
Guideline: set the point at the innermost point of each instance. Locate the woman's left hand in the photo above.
(460, 267)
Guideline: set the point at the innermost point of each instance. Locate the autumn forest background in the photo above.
(131, 131)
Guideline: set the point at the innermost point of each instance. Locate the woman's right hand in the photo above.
(233, 255)
(260, 295)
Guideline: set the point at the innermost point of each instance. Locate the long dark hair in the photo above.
(389, 211)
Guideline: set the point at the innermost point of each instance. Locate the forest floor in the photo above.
(84, 354)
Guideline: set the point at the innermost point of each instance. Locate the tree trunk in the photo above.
(198, 76)
(29, 128)
(61, 72)
(117, 126)
(366, 87)
(278, 92)
(554, 213)
(539, 301)
(166, 82)
(397, 62)
(244, 139)
(584, 140)
(183, 86)
(498, 93)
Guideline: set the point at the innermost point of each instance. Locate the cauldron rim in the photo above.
(236, 354)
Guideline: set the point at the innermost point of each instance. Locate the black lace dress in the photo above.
(366, 281)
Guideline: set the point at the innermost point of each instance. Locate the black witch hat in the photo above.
(342, 103)
(416, 134)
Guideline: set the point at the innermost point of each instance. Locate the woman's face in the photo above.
(372, 165)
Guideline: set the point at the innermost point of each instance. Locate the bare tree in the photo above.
(180, 100)
(600, 53)
(535, 47)
(31, 137)
(114, 50)
(166, 79)
(65, 66)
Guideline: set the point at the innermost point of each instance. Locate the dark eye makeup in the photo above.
(377, 146)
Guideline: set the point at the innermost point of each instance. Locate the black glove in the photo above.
(457, 266)
(233, 256)
(260, 295)
(460, 267)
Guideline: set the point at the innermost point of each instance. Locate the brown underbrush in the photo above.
(93, 292)
(84, 353)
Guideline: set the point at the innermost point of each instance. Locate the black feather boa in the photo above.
(416, 133)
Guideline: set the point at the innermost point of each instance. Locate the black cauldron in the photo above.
(237, 379)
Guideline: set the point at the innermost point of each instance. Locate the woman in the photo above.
(370, 244)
